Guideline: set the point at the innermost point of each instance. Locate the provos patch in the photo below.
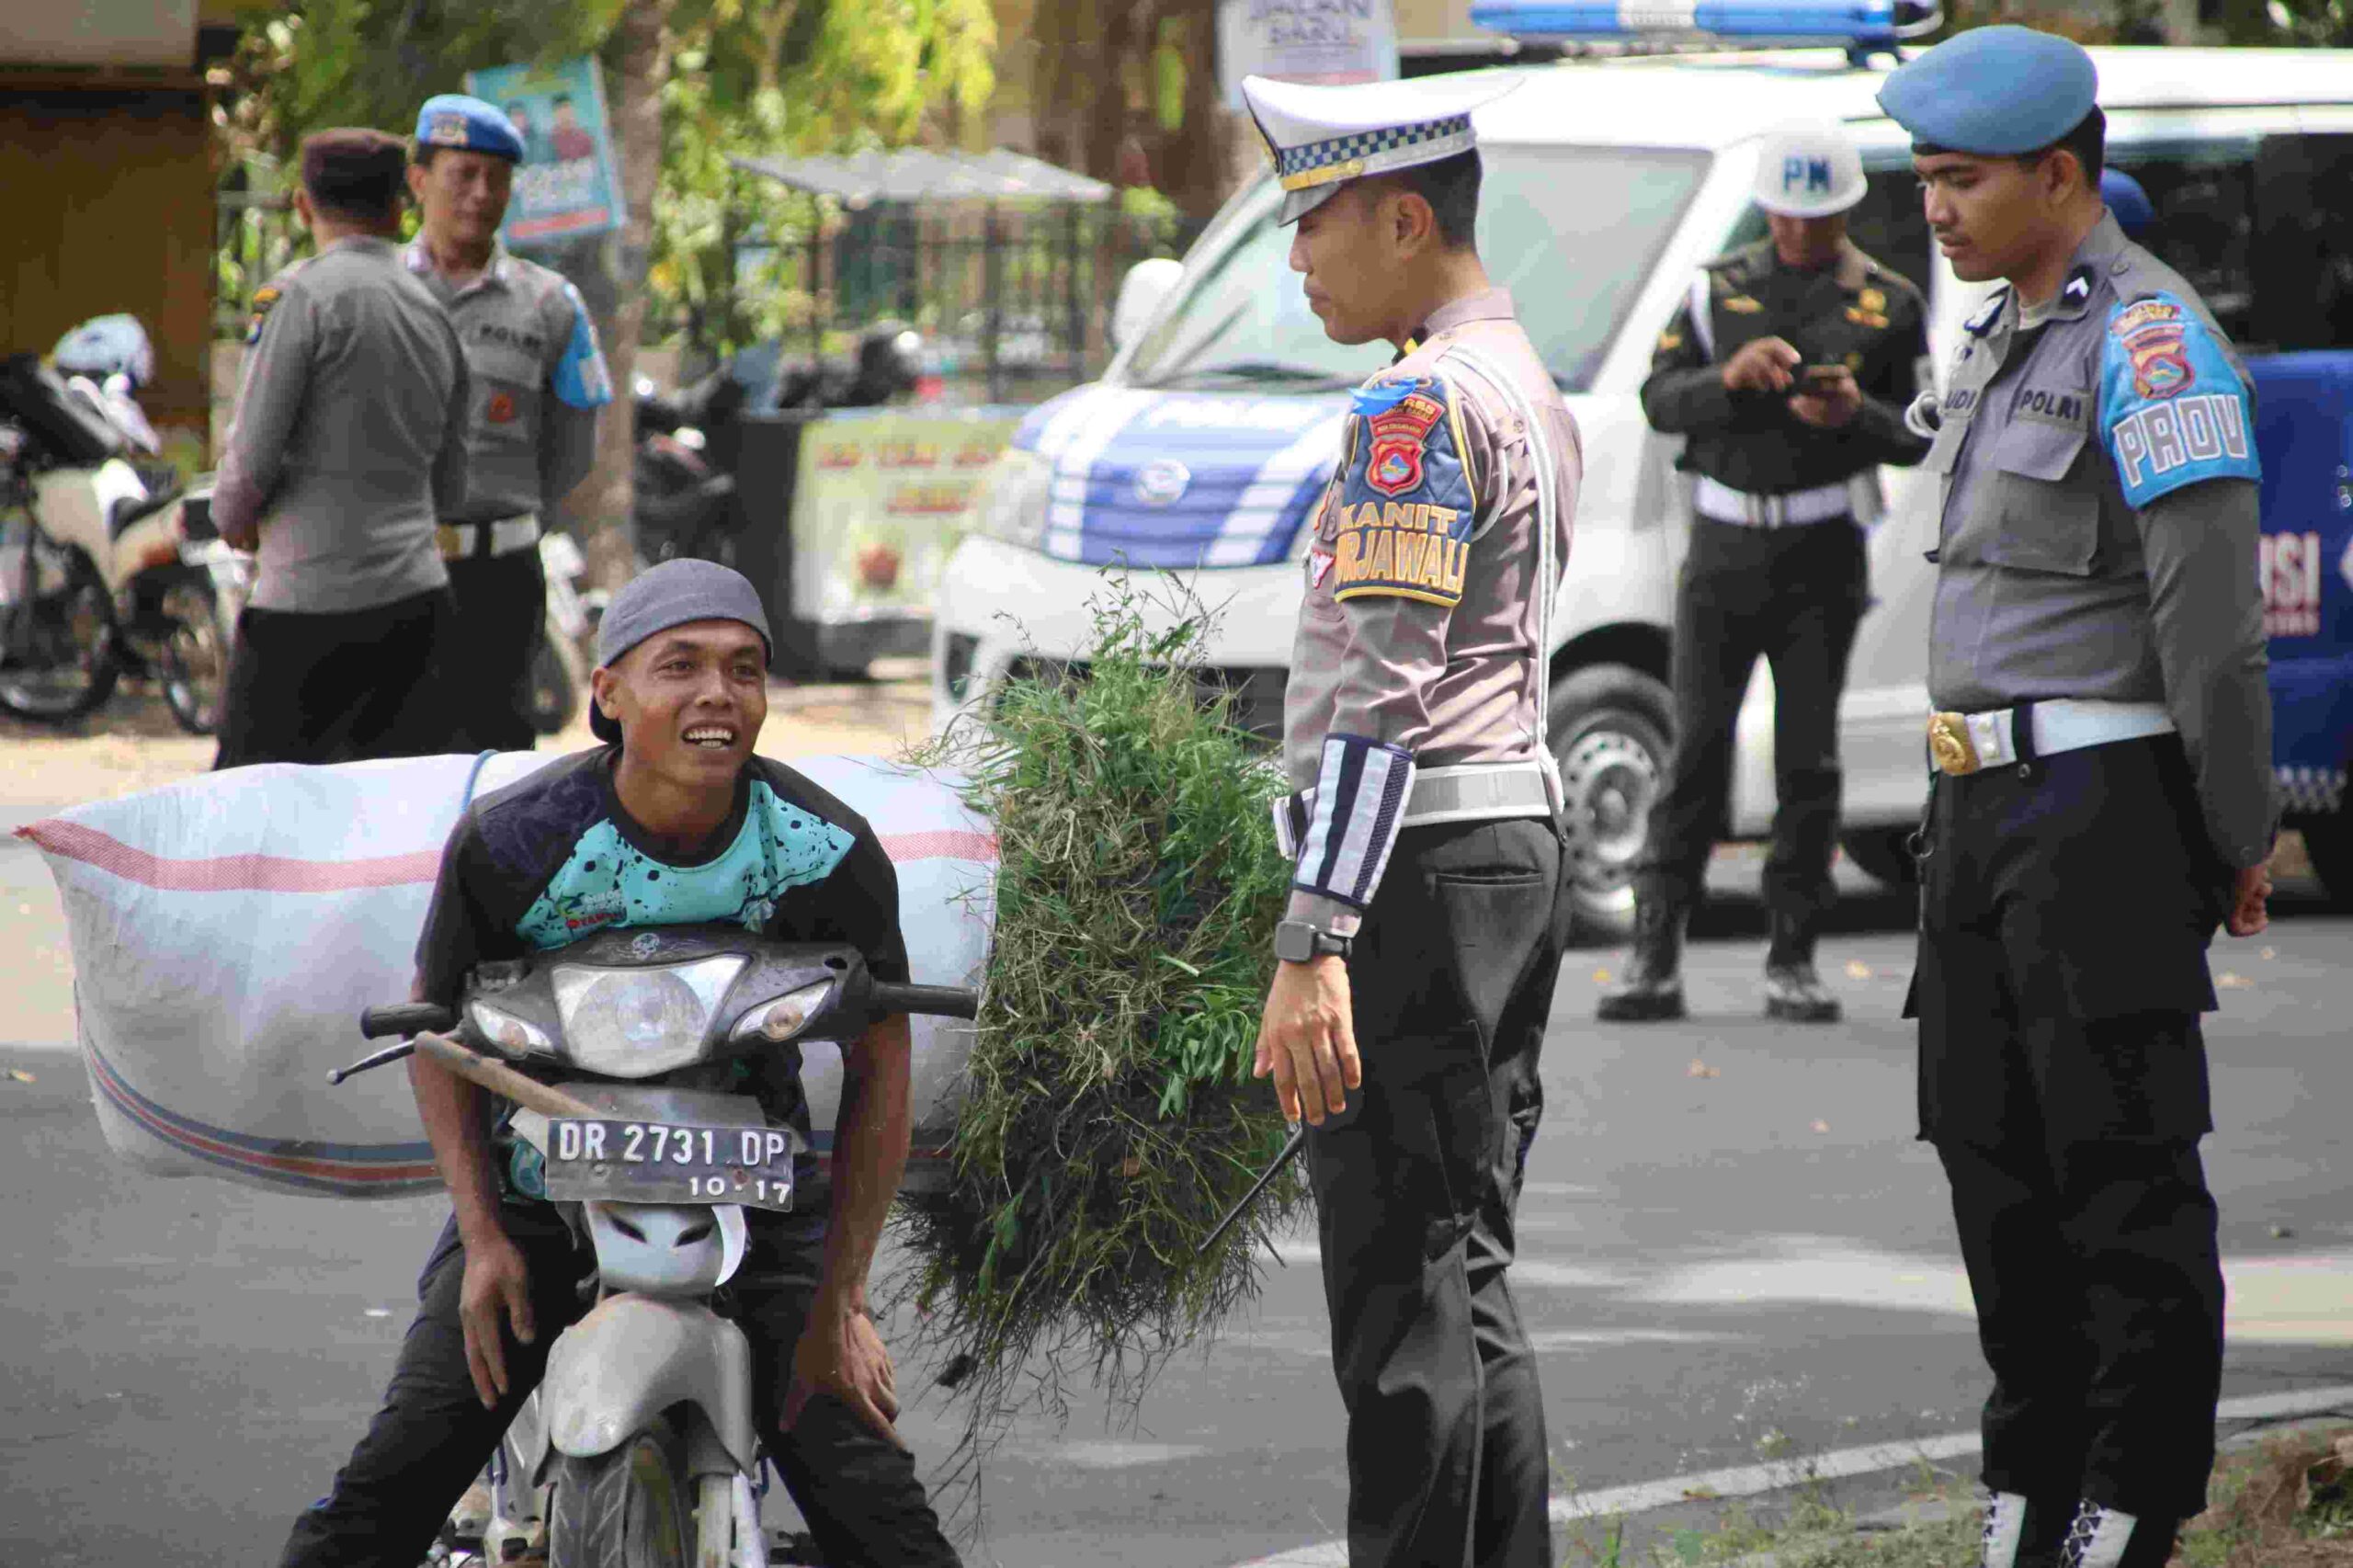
(1402, 518)
(2205, 433)
(2152, 333)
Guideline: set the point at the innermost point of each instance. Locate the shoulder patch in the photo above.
(581, 378)
(2172, 407)
(264, 297)
(1406, 503)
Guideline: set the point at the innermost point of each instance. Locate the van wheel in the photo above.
(1609, 726)
(2328, 845)
(1883, 853)
(633, 1507)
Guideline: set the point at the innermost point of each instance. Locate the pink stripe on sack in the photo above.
(947, 844)
(228, 873)
(277, 873)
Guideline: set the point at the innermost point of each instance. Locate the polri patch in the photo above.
(1403, 519)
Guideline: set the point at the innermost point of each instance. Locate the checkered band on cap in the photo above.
(1345, 157)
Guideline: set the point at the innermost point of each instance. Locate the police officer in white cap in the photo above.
(1427, 910)
(1788, 369)
(2103, 800)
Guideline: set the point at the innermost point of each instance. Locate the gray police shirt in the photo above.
(539, 378)
(2099, 521)
(348, 436)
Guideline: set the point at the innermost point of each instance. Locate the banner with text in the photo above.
(882, 502)
(569, 184)
(1332, 41)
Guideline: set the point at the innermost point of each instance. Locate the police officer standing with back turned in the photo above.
(1788, 368)
(1428, 908)
(349, 435)
(2103, 799)
(539, 381)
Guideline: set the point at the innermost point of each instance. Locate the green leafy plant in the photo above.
(1110, 1119)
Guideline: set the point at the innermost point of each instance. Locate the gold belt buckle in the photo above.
(453, 543)
(1949, 745)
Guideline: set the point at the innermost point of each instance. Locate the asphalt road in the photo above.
(1733, 1250)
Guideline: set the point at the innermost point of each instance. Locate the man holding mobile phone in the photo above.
(1788, 369)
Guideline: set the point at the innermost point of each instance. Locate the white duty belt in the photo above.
(1722, 503)
(1962, 744)
(1470, 791)
(470, 541)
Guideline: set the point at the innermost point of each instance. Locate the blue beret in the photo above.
(470, 125)
(1996, 91)
(2128, 200)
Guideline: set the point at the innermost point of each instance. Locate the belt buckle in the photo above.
(1948, 744)
(452, 542)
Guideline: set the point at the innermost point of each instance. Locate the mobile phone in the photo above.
(1820, 375)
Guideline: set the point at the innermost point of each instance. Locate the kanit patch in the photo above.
(1405, 510)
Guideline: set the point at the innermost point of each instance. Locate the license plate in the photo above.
(668, 1162)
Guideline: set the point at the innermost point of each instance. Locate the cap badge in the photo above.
(449, 131)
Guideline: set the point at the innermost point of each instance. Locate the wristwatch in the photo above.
(1297, 941)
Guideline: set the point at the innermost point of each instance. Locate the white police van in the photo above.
(1607, 182)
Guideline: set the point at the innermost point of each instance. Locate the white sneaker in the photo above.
(2005, 1528)
(2097, 1539)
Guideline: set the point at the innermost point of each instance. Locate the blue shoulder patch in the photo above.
(2172, 407)
(581, 378)
(1407, 503)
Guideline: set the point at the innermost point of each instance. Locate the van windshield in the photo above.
(1572, 232)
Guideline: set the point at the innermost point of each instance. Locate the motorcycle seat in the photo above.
(127, 513)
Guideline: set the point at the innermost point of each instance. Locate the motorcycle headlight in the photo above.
(1011, 506)
(507, 1034)
(634, 1023)
(779, 1020)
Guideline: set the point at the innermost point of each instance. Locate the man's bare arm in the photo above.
(869, 1157)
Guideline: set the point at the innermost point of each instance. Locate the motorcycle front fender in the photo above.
(635, 1356)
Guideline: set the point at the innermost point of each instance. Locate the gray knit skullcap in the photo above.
(673, 593)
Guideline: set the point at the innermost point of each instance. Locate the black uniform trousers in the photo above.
(1416, 1194)
(502, 605)
(859, 1494)
(2066, 904)
(341, 687)
(1792, 596)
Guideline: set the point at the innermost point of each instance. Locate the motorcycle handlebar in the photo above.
(940, 1001)
(405, 1018)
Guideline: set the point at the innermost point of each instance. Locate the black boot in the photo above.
(2103, 1537)
(1794, 992)
(1651, 990)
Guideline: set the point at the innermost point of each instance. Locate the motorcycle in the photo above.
(559, 672)
(99, 576)
(639, 1450)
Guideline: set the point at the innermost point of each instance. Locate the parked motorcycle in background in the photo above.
(559, 661)
(99, 576)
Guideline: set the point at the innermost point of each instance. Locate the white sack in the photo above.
(228, 929)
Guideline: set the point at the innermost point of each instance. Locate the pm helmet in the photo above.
(1807, 169)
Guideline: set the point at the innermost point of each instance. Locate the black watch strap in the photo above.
(1300, 941)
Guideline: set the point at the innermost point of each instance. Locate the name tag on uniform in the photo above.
(2069, 408)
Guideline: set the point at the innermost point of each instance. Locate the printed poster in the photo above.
(882, 502)
(569, 183)
(1331, 41)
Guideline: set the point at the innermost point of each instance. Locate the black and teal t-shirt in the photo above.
(554, 857)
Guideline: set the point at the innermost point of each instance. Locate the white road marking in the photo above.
(1750, 1481)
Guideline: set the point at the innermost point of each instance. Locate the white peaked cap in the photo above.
(1321, 136)
(1807, 169)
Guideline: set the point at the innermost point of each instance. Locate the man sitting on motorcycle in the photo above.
(674, 821)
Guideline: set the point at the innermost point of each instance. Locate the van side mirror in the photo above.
(1142, 291)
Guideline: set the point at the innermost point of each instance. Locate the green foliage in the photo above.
(1110, 1119)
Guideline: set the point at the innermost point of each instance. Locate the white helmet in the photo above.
(1807, 169)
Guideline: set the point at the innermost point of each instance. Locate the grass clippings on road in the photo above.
(2286, 1503)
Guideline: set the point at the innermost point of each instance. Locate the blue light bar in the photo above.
(1880, 23)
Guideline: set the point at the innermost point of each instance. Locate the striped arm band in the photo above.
(1360, 804)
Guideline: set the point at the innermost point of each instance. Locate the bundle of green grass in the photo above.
(1110, 1119)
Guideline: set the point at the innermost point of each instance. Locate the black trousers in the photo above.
(860, 1495)
(502, 605)
(337, 687)
(2067, 905)
(1416, 1195)
(1792, 597)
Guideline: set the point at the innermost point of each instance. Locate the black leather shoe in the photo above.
(1651, 990)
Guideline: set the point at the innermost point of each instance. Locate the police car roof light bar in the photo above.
(1861, 26)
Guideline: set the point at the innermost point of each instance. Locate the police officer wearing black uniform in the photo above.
(1788, 368)
(2103, 799)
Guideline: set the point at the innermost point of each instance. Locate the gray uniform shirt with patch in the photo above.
(2051, 582)
(349, 438)
(537, 379)
(1457, 683)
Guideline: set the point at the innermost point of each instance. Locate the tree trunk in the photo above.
(642, 50)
